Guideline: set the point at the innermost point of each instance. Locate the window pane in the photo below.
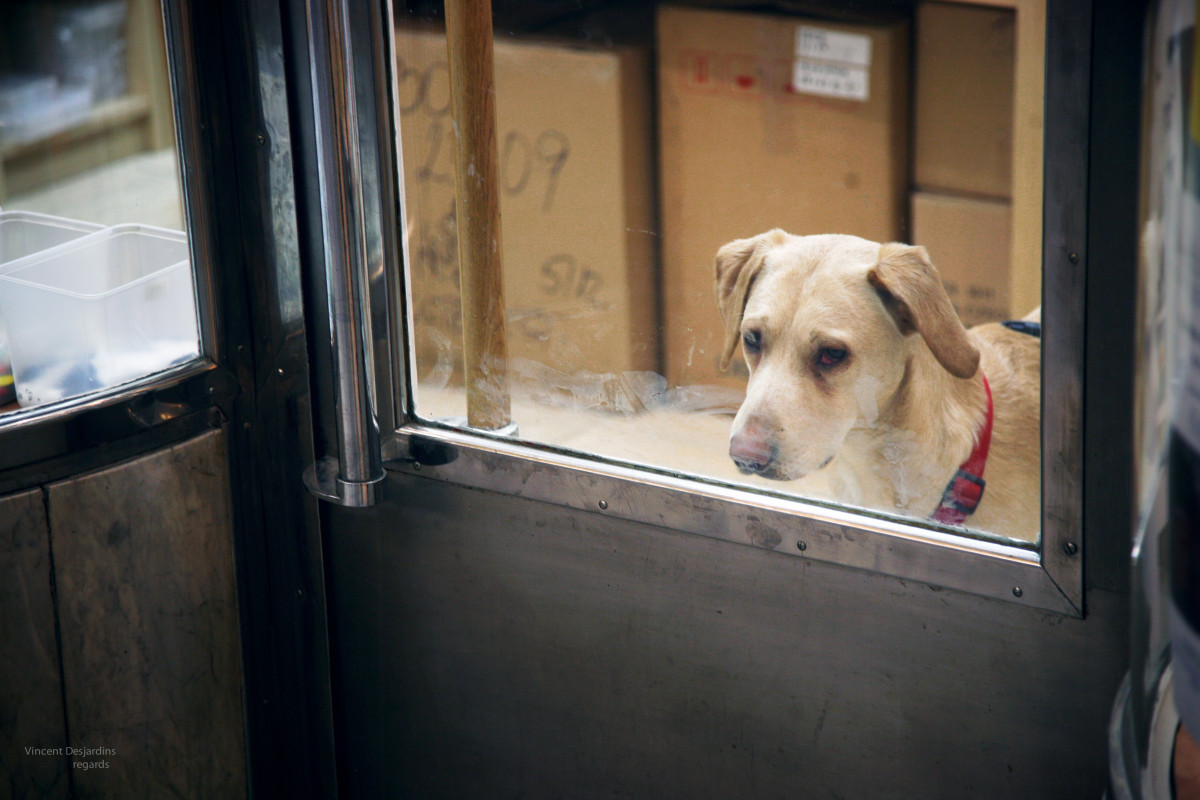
(669, 180)
(95, 277)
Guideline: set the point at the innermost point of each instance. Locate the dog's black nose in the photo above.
(750, 451)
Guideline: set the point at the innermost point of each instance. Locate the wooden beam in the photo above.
(473, 107)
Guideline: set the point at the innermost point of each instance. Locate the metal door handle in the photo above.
(355, 476)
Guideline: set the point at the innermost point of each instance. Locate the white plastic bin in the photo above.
(22, 234)
(113, 306)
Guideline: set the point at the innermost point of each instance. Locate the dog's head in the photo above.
(828, 325)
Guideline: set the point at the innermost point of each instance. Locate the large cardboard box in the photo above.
(968, 240)
(964, 90)
(769, 121)
(575, 143)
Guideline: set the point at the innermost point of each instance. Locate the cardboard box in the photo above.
(575, 143)
(968, 240)
(964, 90)
(1028, 137)
(769, 121)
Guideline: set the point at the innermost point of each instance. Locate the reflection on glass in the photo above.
(655, 318)
(95, 279)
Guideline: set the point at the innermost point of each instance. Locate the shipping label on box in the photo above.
(832, 63)
(968, 240)
(769, 121)
(574, 143)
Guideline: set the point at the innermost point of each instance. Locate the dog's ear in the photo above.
(910, 287)
(735, 268)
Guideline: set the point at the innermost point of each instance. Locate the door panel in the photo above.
(148, 620)
(492, 646)
(30, 677)
(562, 644)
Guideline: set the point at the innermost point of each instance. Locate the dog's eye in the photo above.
(752, 341)
(830, 356)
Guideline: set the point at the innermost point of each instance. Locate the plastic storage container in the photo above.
(102, 310)
(23, 234)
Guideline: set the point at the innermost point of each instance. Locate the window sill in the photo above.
(788, 526)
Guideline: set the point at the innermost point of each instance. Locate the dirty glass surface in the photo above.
(95, 277)
(698, 215)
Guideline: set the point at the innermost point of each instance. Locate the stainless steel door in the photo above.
(512, 621)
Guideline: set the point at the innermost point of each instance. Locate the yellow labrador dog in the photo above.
(865, 386)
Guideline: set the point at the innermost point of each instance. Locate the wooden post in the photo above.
(473, 107)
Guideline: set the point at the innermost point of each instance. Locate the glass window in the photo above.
(96, 287)
(770, 250)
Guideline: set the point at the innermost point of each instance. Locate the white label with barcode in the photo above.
(830, 80)
(852, 49)
(832, 63)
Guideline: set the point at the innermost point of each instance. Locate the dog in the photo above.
(866, 389)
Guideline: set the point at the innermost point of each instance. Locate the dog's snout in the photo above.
(750, 448)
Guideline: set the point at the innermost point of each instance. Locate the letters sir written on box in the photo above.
(574, 144)
(769, 120)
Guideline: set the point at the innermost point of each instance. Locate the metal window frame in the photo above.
(1049, 576)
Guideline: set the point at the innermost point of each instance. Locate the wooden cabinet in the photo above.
(120, 665)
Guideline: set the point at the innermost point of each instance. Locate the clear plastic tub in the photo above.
(111, 307)
(22, 234)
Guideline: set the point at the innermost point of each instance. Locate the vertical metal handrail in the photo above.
(477, 192)
(355, 476)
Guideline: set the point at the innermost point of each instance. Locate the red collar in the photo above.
(965, 489)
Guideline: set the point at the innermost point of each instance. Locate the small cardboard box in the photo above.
(769, 121)
(575, 146)
(964, 90)
(968, 240)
